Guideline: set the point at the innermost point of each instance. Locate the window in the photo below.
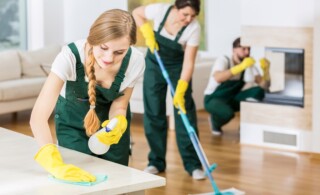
(13, 33)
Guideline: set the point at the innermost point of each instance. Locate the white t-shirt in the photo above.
(64, 66)
(157, 11)
(221, 64)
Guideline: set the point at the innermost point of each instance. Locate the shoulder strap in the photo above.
(79, 65)
(121, 74)
(180, 33)
(75, 51)
(229, 63)
(164, 19)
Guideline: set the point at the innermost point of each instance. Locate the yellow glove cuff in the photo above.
(264, 63)
(48, 156)
(182, 86)
(178, 99)
(44, 150)
(122, 121)
(236, 70)
(146, 30)
(246, 63)
(149, 37)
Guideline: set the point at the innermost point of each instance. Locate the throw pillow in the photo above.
(31, 60)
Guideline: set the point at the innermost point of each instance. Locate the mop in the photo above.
(195, 141)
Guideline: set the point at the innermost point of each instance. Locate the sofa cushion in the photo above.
(46, 68)
(9, 65)
(21, 88)
(31, 61)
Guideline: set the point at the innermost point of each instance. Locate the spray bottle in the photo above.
(95, 145)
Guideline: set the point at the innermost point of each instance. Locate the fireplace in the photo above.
(285, 120)
(287, 76)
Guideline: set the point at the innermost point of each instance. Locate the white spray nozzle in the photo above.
(112, 124)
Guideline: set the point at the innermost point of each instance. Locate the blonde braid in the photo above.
(91, 121)
(110, 25)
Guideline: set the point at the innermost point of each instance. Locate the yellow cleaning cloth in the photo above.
(99, 179)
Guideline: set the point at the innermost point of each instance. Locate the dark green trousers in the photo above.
(222, 109)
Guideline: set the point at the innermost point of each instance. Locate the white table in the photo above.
(20, 174)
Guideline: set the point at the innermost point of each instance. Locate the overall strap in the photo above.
(79, 65)
(228, 59)
(229, 66)
(121, 74)
(164, 19)
(180, 33)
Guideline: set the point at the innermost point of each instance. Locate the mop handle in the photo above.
(164, 72)
(166, 76)
(191, 131)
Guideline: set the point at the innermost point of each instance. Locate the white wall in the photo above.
(80, 14)
(289, 13)
(53, 18)
(223, 25)
(316, 80)
(35, 24)
(59, 21)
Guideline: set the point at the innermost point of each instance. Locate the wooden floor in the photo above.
(255, 170)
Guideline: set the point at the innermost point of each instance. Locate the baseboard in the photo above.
(276, 137)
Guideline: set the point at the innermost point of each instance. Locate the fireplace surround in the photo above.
(269, 124)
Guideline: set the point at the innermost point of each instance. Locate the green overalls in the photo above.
(71, 111)
(225, 100)
(154, 96)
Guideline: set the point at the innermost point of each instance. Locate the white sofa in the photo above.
(200, 79)
(22, 75)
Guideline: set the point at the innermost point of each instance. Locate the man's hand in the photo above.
(246, 63)
(265, 66)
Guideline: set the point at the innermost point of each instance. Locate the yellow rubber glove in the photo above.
(246, 63)
(113, 136)
(50, 159)
(265, 65)
(178, 99)
(148, 34)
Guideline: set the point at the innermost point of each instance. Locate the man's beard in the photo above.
(240, 58)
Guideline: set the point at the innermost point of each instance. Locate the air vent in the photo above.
(280, 138)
